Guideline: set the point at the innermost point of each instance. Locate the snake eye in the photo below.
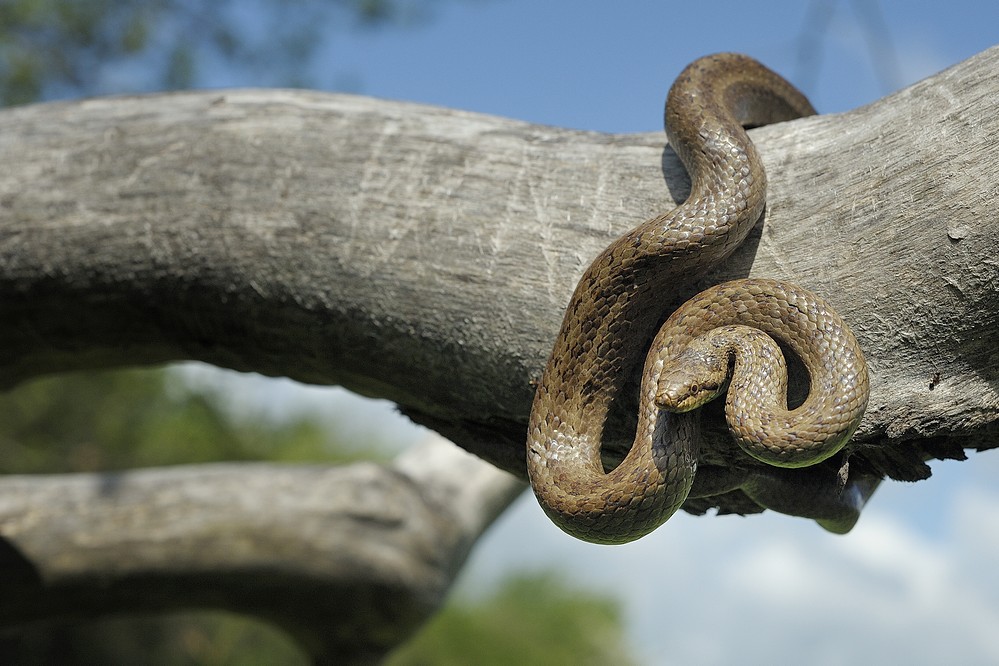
(694, 389)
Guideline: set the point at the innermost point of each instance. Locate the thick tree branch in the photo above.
(349, 560)
(425, 255)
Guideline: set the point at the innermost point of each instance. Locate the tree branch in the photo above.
(425, 255)
(350, 560)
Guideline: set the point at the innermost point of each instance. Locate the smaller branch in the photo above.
(350, 560)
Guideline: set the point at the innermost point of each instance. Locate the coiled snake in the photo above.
(615, 309)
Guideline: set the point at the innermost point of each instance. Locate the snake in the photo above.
(721, 341)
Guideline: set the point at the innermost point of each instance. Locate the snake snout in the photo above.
(673, 397)
(685, 395)
(695, 377)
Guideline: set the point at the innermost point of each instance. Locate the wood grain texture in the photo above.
(349, 560)
(425, 255)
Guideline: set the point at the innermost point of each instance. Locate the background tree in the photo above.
(54, 49)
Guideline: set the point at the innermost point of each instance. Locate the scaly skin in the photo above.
(614, 309)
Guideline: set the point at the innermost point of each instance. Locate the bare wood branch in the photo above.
(350, 560)
(425, 255)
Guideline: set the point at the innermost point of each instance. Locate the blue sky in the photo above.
(606, 66)
(916, 581)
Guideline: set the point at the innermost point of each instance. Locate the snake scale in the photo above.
(720, 338)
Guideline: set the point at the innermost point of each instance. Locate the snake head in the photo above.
(694, 377)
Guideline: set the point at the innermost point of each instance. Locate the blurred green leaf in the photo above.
(533, 618)
(138, 418)
(69, 48)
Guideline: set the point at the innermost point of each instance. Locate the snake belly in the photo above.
(615, 309)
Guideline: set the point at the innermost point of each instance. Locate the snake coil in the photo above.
(613, 311)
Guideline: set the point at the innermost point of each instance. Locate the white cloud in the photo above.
(772, 589)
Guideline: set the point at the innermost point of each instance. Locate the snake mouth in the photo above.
(686, 396)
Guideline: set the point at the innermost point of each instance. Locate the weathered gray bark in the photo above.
(349, 560)
(425, 255)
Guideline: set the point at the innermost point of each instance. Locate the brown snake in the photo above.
(615, 309)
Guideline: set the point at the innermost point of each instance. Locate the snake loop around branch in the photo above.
(615, 309)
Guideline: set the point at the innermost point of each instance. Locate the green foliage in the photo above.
(205, 638)
(48, 44)
(51, 49)
(535, 618)
(140, 418)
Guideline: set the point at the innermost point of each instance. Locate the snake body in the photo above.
(614, 311)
